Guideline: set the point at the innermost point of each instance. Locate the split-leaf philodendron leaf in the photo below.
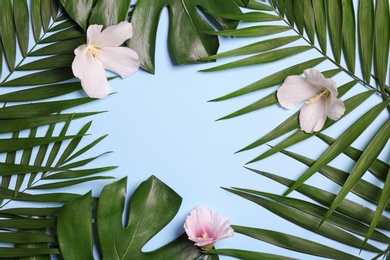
(104, 12)
(188, 28)
(152, 207)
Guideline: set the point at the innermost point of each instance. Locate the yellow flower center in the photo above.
(205, 235)
(324, 92)
(94, 50)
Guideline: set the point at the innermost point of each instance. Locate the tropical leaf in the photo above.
(339, 14)
(7, 33)
(110, 12)
(381, 42)
(367, 158)
(343, 142)
(362, 188)
(366, 36)
(309, 215)
(79, 12)
(272, 80)
(249, 255)
(186, 24)
(257, 47)
(300, 136)
(347, 207)
(349, 217)
(97, 12)
(58, 163)
(153, 205)
(34, 106)
(293, 243)
(349, 30)
(263, 58)
(378, 168)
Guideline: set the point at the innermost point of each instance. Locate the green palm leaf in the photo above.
(264, 57)
(335, 19)
(342, 26)
(300, 136)
(349, 217)
(362, 188)
(309, 216)
(349, 35)
(347, 31)
(366, 159)
(59, 164)
(338, 19)
(51, 161)
(381, 42)
(378, 168)
(366, 36)
(347, 207)
(293, 243)
(343, 142)
(249, 255)
(273, 79)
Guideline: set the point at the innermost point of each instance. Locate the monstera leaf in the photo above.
(188, 37)
(152, 206)
(103, 12)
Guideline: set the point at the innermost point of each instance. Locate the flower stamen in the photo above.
(94, 50)
(205, 235)
(324, 92)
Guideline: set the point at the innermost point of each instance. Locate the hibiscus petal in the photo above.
(331, 85)
(312, 116)
(79, 64)
(93, 33)
(115, 35)
(315, 77)
(121, 60)
(334, 108)
(93, 76)
(296, 90)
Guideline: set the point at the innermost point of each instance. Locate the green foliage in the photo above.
(186, 23)
(188, 37)
(152, 207)
(363, 32)
(101, 12)
(36, 102)
(38, 151)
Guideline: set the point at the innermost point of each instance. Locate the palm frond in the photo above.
(335, 20)
(349, 218)
(36, 86)
(358, 36)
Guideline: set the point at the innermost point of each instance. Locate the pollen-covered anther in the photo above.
(324, 92)
(94, 50)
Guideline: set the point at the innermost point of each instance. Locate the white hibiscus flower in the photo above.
(319, 95)
(102, 52)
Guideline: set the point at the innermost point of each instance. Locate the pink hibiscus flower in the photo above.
(205, 227)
